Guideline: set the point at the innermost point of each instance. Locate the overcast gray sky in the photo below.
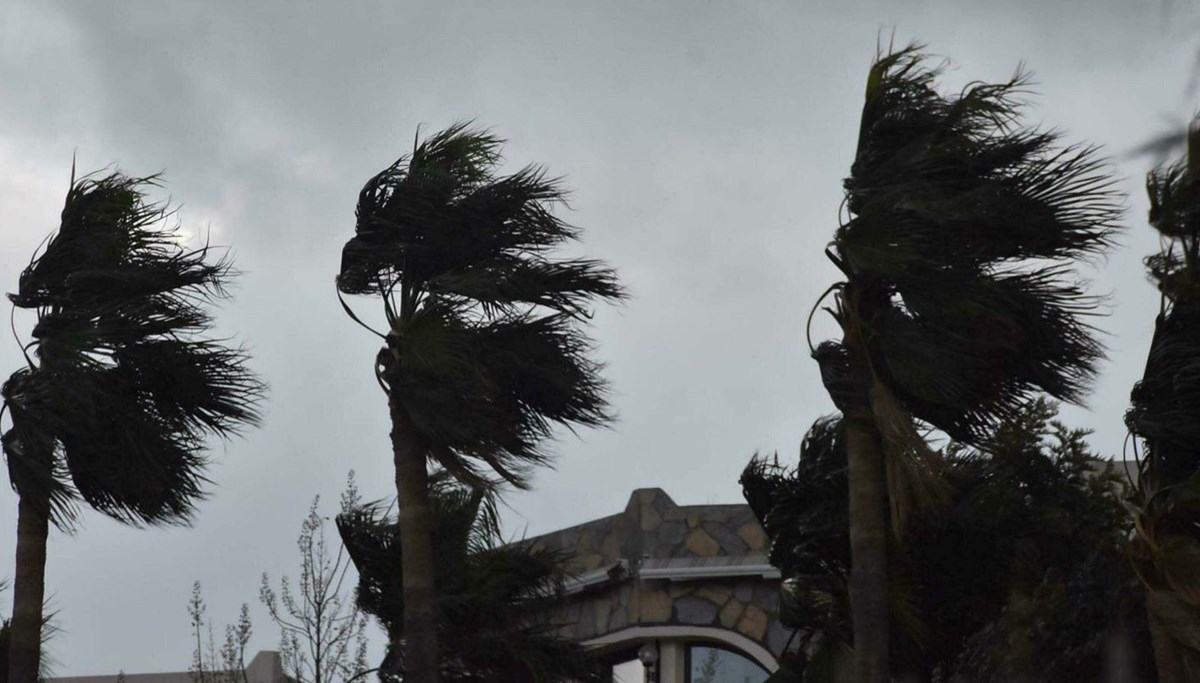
(705, 144)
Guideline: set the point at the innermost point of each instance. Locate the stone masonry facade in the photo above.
(683, 544)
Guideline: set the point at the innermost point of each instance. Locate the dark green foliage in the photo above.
(484, 349)
(1165, 406)
(49, 629)
(804, 512)
(1164, 413)
(489, 594)
(115, 408)
(961, 225)
(1021, 574)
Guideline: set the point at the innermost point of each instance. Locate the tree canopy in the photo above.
(115, 408)
(1022, 573)
(489, 594)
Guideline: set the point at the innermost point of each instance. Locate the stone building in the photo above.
(688, 587)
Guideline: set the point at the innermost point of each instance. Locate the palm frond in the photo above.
(966, 222)
(804, 508)
(565, 286)
(430, 216)
(486, 351)
(489, 595)
(491, 391)
(127, 387)
(1165, 403)
(964, 352)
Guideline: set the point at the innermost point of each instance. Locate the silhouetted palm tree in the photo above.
(115, 407)
(492, 598)
(1165, 417)
(483, 356)
(957, 302)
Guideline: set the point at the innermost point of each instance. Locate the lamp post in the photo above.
(648, 656)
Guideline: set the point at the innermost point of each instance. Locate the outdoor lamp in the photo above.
(648, 654)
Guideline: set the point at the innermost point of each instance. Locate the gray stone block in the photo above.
(695, 611)
(731, 543)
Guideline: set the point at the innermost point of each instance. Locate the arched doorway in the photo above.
(684, 654)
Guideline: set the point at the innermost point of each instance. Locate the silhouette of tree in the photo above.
(484, 355)
(491, 596)
(957, 303)
(1164, 418)
(115, 408)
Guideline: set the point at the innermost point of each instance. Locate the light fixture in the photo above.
(648, 654)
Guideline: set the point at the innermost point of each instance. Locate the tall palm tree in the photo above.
(115, 407)
(491, 596)
(1164, 417)
(484, 354)
(957, 302)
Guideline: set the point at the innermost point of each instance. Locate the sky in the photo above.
(705, 145)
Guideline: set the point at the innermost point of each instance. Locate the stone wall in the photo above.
(653, 528)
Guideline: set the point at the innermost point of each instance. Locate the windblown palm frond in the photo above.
(489, 595)
(804, 511)
(962, 224)
(115, 409)
(484, 350)
(803, 508)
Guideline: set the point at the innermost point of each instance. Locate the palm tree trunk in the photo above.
(416, 545)
(868, 550)
(29, 589)
(868, 500)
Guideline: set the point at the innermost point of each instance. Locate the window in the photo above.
(708, 664)
(629, 672)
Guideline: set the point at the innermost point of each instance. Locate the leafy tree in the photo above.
(709, 667)
(484, 354)
(957, 303)
(115, 409)
(1019, 576)
(210, 663)
(490, 595)
(1164, 418)
(322, 633)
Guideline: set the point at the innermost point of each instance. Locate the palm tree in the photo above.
(115, 408)
(483, 356)
(957, 302)
(491, 596)
(1164, 417)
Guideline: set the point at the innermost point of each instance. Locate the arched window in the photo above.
(710, 663)
(624, 666)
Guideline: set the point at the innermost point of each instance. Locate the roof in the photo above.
(654, 533)
(265, 667)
